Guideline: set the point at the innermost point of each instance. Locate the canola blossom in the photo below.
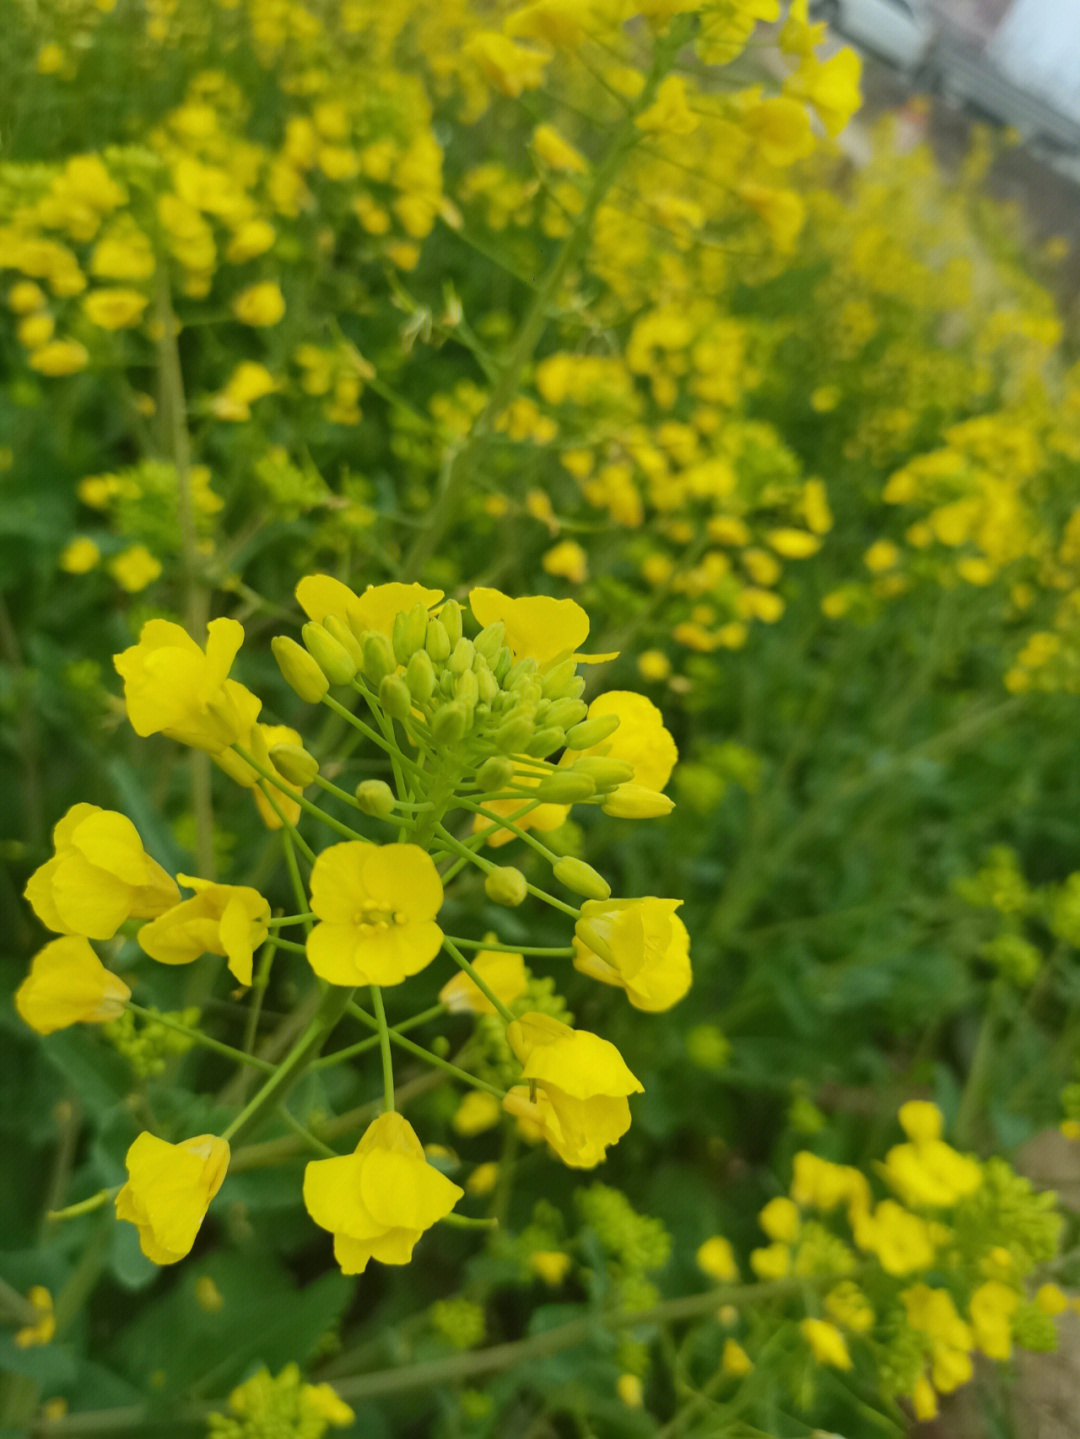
(168, 1191)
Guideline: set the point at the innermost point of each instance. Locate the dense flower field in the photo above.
(539, 643)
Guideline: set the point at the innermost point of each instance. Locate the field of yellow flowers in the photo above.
(539, 653)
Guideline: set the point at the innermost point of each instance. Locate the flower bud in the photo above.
(576, 688)
(339, 630)
(490, 641)
(487, 685)
(501, 667)
(332, 658)
(513, 733)
(591, 731)
(566, 713)
(605, 772)
(565, 787)
(581, 878)
(495, 773)
(293, 763)
(519, 673)
(299, 670)
(450, 614)
(437, 642)
(379, 658)
(461, 656)
(544, 741)
(467, 690)
(410, 632)
(506, 885)
(557, 678)
(375, 797)
(395, 698)
(449, 722)
(420, 676)
(635, 801)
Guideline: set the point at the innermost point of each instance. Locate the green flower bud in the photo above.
(501, 667)
(506, 885)
(332, 658)
(635, 801)
(450, 614)
(513, 733)
(518, 674)
(449, 722)
(420, 676)
(576, 688)
(410, 632)
(339, 630)
(299, 670)
(487, 685)
(557, 678)
(466, 689)
(566, 713)
(375, 797)
(581, 878)
(395, 698)
(293, 763)
(461, 656)
(437, 642)
(495, 773)
(545, 741)
(379, 658)
(591, 731)
(605, 773)
(565, 787)
(491, 640)
(445, 685)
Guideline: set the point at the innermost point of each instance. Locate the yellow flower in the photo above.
(827, 1344)
(253, 237)
(557, 22)
(169, 1190)
(819, 1184)
(172, 687)
(79, 556)
(43, 1331)
(669, 114)
(780, 128)
(379, 1200)
(641, 738)
(114, 309)
(59, 357)
(932, 1312)
(68, 984)
(504, 974)
(773, 1261)
(639, 945)
(504, 64)
(557, 152)
(831, 86)
(134, 569)
(544, 817)
(901, 1240)
(477, 1113)
(552, 1265)
(50, 59)
(375, 609)
(99, 876)
(780, 1219)
(249, 382)
(378, 905)
(850, 1307)
(260, 305)
(930, 1173)
(991, 1307)
(25, 297)
(227, 919)
(568, 561)
(734, 1359)
(716, 1259)
(582, 1082)
(537, 626)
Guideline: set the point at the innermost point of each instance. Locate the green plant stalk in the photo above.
(425, 1054)
(339, 1056)
(541, 849)
(301, 843)
(305, 1134)
(294, 875)
(304, 803)
(384, 1050)
(565, 952)
(261, 984)
(369, 733)
(484, 988)
(238, 1056)
(488, 865)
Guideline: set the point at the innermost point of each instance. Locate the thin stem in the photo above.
(306, 1134)
(239, 1056)
(425, 1054)
(305, 848)
(259, 988)
(365, 1045)
(482, 985)
(565, 952)
(487, 865)
(384, 1048)
(294, 874)
(86, 1206)
(302, 800)
(372, 734)
(292, 946)
(291, 918)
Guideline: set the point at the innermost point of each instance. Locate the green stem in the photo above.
(425, 1054)
(365, 729)
(294, 874)
(488, 865)
(291, 918)
(286, 824)
(86, 1206)
(339, 1056)
(567, 951)
(484, 988)
(239, 1056)
(302, 800)
(305, 1134)
(384, 1049)
(259, 988)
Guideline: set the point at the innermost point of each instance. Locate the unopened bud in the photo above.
(467, 690)
(461, 656)
(299, 670)
(557, 678)
(545, 741)
(576, 688)
(490, 641)
(518, 674)
(604, 771)
(375, 797)
(503, 662)
(293, 763)
(338, 629)
(450, 614)
(410, 632)
(591, 731)
(437, 641)
(495, 773)
(379, 658)
(487, 685)
(420, 676)
(506, 885)
(566, 713)
(449, 722)
(581, 878)
(635, 801)
(513, 733)
(332, 658)
(395, 698)
(565, 787)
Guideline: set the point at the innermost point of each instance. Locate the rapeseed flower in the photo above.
(537, 626)
(639, 945)
(826, 1342)
(227, 919)
(68, 984)
(169, 1190)
(379, 1200)
(504, 974)
(99, 876)
(377, 904)
(374, 609)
